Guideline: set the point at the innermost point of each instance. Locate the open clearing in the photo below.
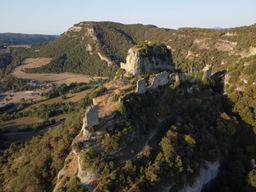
(3, 51)
(12, 125)
(59, 78)
(15, 98)
(106, 105)
(75, 97)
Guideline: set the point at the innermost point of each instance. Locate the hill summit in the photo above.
(144, 58)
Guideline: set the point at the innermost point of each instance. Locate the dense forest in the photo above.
(216, 123)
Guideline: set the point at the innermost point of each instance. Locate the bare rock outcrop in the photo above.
(138, 62)
(207, 71)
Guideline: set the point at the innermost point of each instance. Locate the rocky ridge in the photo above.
(74, 165)
(136, 63)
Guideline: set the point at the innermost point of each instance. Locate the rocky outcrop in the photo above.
(136, 63)
(206, 175)
(109, 62)
(172, 78)
(207, 71)
(73, 163)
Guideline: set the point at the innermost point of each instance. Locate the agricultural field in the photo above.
(59, 78)
(3, 51)
(33, 99)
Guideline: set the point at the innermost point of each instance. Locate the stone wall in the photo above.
(160, 79)
(163, 78)
(91, 116)
(172, 78)
(141, 87)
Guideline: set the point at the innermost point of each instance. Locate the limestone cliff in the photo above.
(151, 59)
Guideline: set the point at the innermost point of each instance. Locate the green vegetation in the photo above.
(155, 49)
(16, 84)
(185, 129)
(35, 126)
(40, 158)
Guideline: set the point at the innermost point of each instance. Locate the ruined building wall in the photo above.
(91, 116)
(141, 88)
(160, 79)
(163, 78)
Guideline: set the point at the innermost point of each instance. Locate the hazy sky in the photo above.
(56, 16)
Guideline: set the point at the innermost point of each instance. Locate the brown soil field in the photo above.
(75, 97)
(66, 78)
(55, 78)
(38, 62)
(3, 51)
(15, 98)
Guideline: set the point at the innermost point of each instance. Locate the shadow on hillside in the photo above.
(209, 126)
(235, 137)
(219, 82)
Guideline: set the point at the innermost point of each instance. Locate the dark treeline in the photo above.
(19, 38)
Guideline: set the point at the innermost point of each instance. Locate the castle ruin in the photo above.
(91, 116)
(160, 79)
(141, 87)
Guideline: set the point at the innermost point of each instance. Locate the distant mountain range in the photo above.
(221, 28)
(19, 38)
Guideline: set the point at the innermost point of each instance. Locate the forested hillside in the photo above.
(215, 123)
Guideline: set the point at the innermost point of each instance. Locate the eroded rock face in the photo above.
(207, 71)
(133, 62)
(206, 175)
(137, 64)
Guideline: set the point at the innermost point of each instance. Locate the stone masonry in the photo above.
(141, 88)
(160, 79)
(91, 116)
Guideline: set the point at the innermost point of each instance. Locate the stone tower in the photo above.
(91, 116)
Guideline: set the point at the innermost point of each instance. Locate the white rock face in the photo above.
(206, 175)
(75, 29)
(207, 71)
(135, 63)
(105, 59)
